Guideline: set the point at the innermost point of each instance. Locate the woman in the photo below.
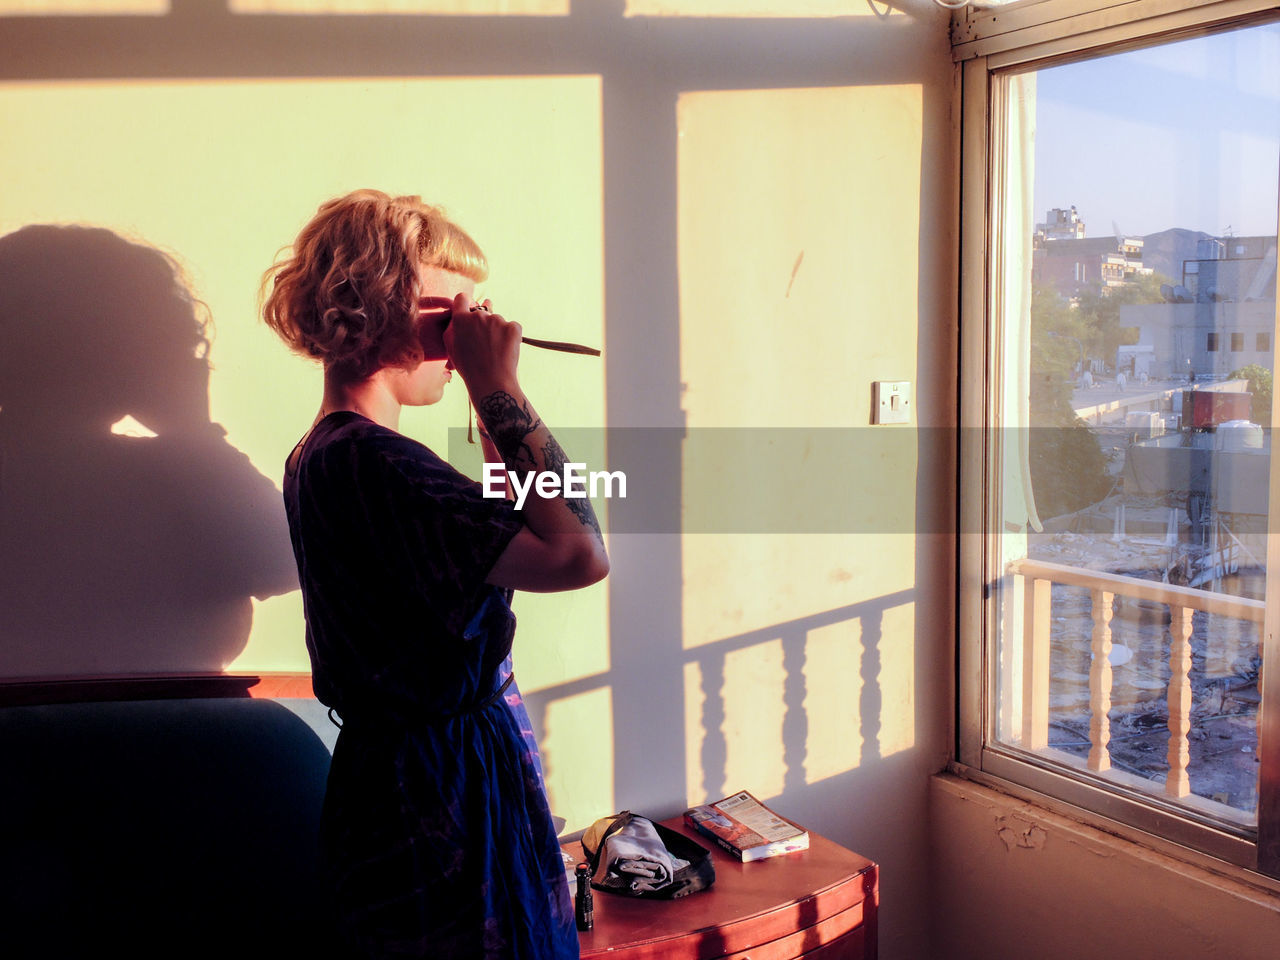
(436, 832)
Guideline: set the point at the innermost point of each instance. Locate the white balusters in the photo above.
(1100, 681)
(1178, 784)
(1025, 664)
(1035, 664)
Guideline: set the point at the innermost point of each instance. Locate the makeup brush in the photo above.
(445, 303)
(561, 346)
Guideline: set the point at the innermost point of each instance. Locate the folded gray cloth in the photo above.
(639, 858)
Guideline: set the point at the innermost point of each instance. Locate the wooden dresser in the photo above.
(818, 904)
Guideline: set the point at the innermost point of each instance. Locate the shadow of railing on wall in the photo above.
(710, 659)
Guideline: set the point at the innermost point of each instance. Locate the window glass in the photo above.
(1138, 243)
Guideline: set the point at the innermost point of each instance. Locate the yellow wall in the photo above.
(754, 218)
(221, 174)
(778, 300)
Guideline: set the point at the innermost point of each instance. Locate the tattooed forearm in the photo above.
(509, 423)
(554, 457)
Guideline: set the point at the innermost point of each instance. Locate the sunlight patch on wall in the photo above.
(799, 216)
(748, 582)
(895, 730)
(833, 660)
(127, 426)
(563, 636)
(857, 661)
(754, 709)
(479, 8)
(798, 287)
(798, 257)
(222, 173)
(695, 702)
(96, 8)
(758, 8)
(278, 632)
(577, 753)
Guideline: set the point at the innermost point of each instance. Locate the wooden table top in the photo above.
(749, 903)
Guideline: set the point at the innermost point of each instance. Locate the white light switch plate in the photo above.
(891, 401)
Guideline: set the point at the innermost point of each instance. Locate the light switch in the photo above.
(891, 401)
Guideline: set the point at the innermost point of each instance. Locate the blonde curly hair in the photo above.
(347, 291)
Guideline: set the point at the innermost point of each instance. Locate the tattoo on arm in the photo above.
(554, 457)
(509, 424)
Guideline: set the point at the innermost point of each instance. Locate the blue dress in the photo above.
(436, 832)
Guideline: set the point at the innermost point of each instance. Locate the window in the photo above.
(1116, 596)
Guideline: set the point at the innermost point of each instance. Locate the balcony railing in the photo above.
(1025, 666)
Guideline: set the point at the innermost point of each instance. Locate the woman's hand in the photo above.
(482, 346)
(560, 546)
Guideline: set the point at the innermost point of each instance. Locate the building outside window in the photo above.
(1116, 585)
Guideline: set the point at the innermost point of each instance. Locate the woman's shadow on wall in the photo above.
(119, 555)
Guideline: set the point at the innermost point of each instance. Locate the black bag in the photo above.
(698, 875)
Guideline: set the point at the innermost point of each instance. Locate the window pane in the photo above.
(1133, 385)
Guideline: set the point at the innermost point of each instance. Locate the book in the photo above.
(746, 828)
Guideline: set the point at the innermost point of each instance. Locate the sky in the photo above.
(1183, 134)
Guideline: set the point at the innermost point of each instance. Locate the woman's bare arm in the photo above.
(561, 546)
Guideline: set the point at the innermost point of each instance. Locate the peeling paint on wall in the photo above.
(1020, 832)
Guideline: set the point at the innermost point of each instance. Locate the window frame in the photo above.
(985, 44)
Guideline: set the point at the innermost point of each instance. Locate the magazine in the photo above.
(746, 828)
